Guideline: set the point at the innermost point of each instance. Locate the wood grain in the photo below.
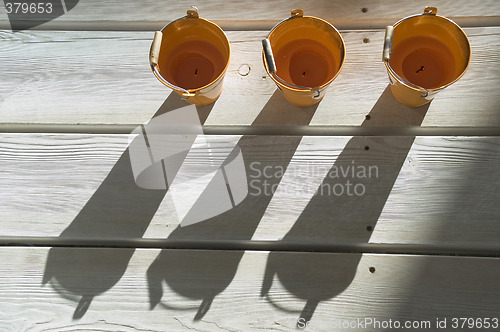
(438, 192)
(238, 14)
(104, 78)
(153, 290)
(434, 194)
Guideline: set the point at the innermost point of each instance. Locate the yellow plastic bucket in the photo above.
(190, 55)
(303, 55)
(424, 54)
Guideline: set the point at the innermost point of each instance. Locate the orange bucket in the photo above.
(303, 55)
(190, 55)
(424, 54)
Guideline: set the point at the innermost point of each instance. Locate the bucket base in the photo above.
(201, 100)
(408, 99)
(302, 100)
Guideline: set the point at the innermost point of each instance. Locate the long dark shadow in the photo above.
(118, 209)
(203, 275)
(447, 288)
(347, 205)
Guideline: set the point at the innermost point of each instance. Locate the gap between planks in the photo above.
(256, 245)
(262, 130)
(243, 25)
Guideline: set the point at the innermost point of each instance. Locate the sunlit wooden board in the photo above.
(105, 78)
(436, 191)
(158, 290)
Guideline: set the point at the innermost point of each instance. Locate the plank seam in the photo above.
(241, 25)
(249, 245)
(264, 130)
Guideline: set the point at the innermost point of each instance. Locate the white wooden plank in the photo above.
(438, 191)
(153, 290)
(104, 78)
(144, 11)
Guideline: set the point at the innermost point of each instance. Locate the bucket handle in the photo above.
(193, 12)
(386, 54)
(271, 64)
(430, 11)
(389, 32)
(154, 55)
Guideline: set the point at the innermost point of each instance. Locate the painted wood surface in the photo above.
(103, 289)
(312, 190)
(132, 14)
(104, 78)
(83, 248)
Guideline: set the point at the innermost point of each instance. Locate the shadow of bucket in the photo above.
(303, 55)
(190, 55)
(423, 55)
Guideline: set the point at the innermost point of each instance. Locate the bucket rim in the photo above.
(324, 85)
(219, 29)
(420, 88)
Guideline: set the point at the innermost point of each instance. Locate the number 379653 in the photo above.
(474, 323)
(28, 8)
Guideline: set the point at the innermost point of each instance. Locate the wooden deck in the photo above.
(83, 248)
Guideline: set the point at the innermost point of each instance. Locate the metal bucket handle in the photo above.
(386, 54)
(271, 64)
(154, 55)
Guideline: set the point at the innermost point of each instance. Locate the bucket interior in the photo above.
(307, 51)
(429, 51)
(193, 53)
